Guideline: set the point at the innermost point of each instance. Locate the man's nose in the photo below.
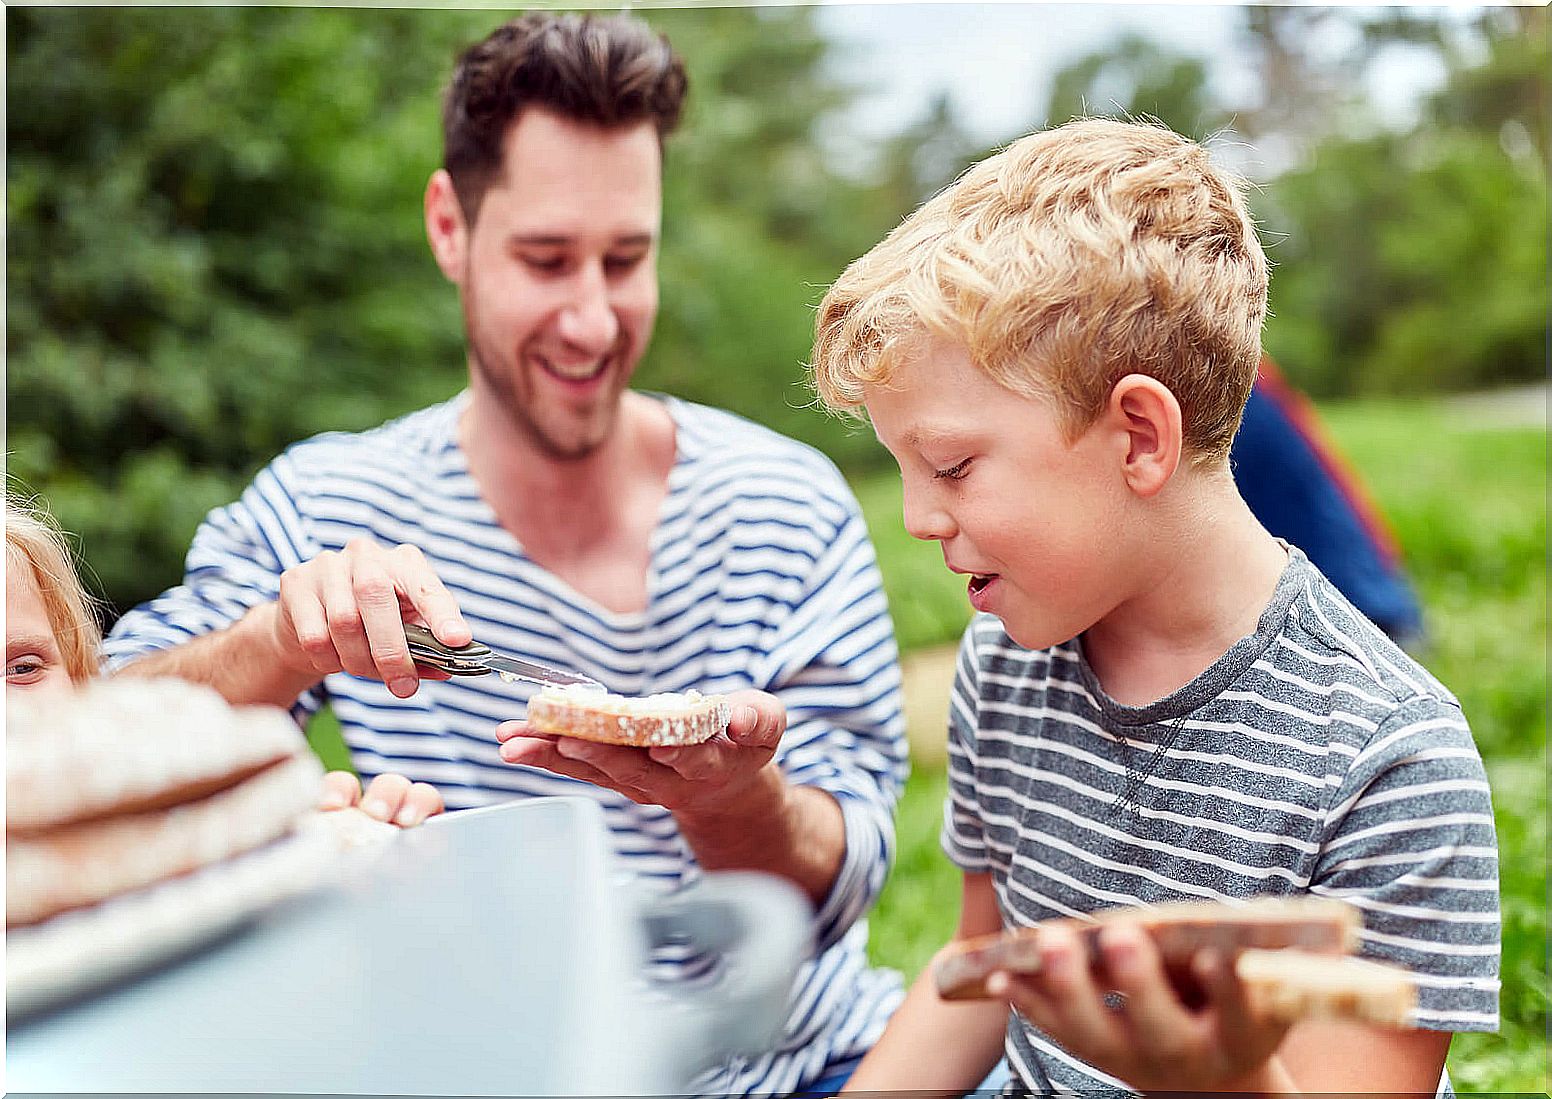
(588, 321)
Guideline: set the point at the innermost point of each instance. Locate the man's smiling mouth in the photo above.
(582, 372)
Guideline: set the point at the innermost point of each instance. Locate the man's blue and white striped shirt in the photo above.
(761, 576)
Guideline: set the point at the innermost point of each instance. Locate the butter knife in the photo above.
(477, 659)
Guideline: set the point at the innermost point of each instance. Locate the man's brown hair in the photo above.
(608, 71)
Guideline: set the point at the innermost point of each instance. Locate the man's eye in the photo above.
(549, 265)
(622, 264)
(954, 472)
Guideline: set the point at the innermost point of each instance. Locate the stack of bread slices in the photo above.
(143, 815)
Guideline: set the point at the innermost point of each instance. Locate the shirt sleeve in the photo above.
(962, 837)
(834, 665)
(233, 565)
(1410, 842)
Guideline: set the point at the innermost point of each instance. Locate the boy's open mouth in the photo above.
(979, 582)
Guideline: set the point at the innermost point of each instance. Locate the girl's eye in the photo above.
(24, 669)
(954, 472)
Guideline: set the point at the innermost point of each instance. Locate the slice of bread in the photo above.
(131, 745)
(129, 782)
(1293, 984)
(1179, 930)
(659, 720)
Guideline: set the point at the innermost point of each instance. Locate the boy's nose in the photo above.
(925, 520)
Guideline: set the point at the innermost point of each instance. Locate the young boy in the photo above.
(1158, 700)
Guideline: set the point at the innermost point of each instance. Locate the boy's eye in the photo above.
(953, 472)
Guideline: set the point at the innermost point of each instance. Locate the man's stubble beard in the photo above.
(516, 412)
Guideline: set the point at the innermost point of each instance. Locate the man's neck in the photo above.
(588, 519)
(1208, 575)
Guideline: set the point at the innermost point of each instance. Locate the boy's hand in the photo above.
(1151, 1039)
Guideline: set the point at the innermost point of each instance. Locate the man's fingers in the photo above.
(377, 599)
(301, 610)
(384, 797)
(430, 597)
(530, 751)
(758, 719)
(341, 790)
(697, 762)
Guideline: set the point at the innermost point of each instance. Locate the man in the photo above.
(551, 511)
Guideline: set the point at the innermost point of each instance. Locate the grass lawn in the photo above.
(1468, 504)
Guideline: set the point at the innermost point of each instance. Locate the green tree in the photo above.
(216, 245)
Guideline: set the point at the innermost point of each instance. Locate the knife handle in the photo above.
(426, 649)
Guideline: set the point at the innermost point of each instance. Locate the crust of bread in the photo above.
(132, 745)
(1316, 924)
(1291, 985)
(86, 862)
(604, 718)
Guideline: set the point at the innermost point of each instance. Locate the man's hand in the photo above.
(1151, 1039)
(720, 778)
(392, 799)
(345, 611)
(734, 807)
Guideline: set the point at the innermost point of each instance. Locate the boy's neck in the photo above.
(1208, 572)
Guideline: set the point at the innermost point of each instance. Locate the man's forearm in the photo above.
(242, 662)
(796, 832)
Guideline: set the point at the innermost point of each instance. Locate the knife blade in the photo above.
(477, 659)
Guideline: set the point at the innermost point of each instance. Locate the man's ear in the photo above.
(1146, 410)
(445, 227)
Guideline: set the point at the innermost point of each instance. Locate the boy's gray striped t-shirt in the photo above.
(1314, 757)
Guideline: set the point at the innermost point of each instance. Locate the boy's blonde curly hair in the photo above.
(1070, 259)
(34, 544)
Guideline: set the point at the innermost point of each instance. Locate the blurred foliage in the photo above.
(216, 244)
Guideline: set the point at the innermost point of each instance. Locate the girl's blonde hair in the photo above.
(1070, 259)
(34, 543)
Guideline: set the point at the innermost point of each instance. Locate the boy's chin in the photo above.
(1032, 635)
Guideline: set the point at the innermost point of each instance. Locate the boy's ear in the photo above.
(445, 228)
(1146, 410)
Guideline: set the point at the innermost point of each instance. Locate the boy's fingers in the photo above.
(1137, 973)
(1065, 980)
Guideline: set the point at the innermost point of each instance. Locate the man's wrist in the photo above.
(258, 635)
(752, 811)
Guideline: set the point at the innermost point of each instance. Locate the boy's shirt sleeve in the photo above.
(234, 564)
(962, 837)
(1410, 842)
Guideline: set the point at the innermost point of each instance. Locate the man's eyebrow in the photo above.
(557, 240)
